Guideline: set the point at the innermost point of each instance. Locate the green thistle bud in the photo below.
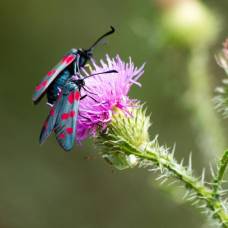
(190, 23)
(124, 130)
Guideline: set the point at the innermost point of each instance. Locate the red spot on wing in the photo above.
(38, 87)
(77, 95)
(71, 98)
(68, 59)
(69, 130)
(41, 85)
(44, 83)
(72, 114)
(62, 136)
(64, 116)
(50, 73)
(52, 112)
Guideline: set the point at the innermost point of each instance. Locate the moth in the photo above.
(68, 66)
(62, 85)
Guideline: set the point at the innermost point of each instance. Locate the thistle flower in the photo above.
(106, 94)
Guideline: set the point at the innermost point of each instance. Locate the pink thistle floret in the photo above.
(105, 94)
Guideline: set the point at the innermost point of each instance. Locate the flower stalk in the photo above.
(121, 127)
(128, 136)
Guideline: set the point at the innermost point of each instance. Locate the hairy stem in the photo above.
(178, 171)
(126, 143)
(221, 172)
(168, 165)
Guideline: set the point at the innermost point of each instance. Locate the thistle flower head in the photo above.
(106, 94)
(123, 131)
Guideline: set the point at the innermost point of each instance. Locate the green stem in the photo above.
(128, 136)
(181, 173)
(221, 172)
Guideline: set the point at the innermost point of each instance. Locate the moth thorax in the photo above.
(80, 82)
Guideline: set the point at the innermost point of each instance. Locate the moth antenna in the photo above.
(105, 72)
(101, 38)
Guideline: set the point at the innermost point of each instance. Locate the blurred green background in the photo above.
(43, 187)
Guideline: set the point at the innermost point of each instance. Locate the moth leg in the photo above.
(88, 91)
(49, 104)
(83, 97)
(83, 116)
(93, 99)
(86, 95)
